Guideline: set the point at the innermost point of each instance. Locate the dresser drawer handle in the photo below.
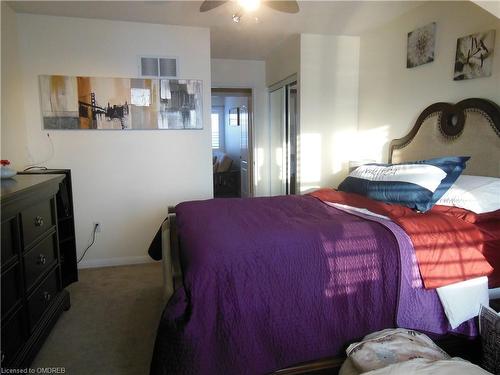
(46, 296)
(42, 259)
(38, 221)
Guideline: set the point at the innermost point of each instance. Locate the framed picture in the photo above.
(420, 47)
(474, 56)
(97, 103)
(234, 116)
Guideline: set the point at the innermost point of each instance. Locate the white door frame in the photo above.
(234, 90)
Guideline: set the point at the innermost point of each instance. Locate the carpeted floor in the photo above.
(111, 326)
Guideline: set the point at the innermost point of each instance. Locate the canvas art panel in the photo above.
(421, 44)
(474, 56)
(120, 103)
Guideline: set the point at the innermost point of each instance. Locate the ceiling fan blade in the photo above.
(211, 4)
(287, 6)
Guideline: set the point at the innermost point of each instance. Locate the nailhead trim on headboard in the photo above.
(485, 115)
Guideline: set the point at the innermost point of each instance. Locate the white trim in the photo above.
(111, 262)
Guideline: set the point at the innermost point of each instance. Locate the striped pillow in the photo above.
(417, 185)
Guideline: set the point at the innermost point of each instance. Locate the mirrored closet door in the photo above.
(284, 130)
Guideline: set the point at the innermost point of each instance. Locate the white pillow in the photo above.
(474, 193)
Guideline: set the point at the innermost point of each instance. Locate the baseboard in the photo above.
(121, 261)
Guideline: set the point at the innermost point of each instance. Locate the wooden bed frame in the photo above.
(468, 128)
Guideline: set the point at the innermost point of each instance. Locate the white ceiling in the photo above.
(251, 38)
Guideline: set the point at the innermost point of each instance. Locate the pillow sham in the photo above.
(473, 193)
(417, 185)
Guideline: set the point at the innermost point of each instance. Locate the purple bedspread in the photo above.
(272, 282)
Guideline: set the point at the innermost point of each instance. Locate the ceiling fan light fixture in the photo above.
(236, 18)
(249, 5)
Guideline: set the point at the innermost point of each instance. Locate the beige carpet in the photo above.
(111, 326)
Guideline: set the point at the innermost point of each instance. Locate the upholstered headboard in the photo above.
(468, 128)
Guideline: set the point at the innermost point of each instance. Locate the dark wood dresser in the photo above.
(32, 293)
(65, 224)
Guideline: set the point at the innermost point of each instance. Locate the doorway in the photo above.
(232, 151)
(284, 130)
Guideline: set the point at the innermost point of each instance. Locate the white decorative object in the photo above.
(5, 171)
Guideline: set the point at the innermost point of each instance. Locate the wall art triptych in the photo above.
(120, 103)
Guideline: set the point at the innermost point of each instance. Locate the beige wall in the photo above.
(13, 134)
(492, 6)
(327, 68)
(391, 96)
(250, 74)
(328, 107)
(284, 61)
(126, 180)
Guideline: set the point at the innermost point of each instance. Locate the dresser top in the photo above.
(25, 183)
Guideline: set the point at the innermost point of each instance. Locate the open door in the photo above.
(236, 136)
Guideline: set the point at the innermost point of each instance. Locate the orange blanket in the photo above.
(448, 249)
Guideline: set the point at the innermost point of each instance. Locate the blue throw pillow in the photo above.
(417, 185)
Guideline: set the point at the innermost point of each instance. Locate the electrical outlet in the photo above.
(98, 225)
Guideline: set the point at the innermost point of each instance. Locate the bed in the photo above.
(271, 282)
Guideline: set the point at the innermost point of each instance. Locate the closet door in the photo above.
(245, 177)
(277, 138)
(292, 131)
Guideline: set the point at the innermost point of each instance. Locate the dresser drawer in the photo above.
(40, 259)
(41, 299)
(36, 220)
(10, 239)
(11, 288)
(13, 337)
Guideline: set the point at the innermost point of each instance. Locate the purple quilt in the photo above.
(272, 282)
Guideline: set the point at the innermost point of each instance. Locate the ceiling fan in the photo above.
(286, 6)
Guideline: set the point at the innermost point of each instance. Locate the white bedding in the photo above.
(420, 366)
(350, 209)
(402, 351)
(462, 301)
